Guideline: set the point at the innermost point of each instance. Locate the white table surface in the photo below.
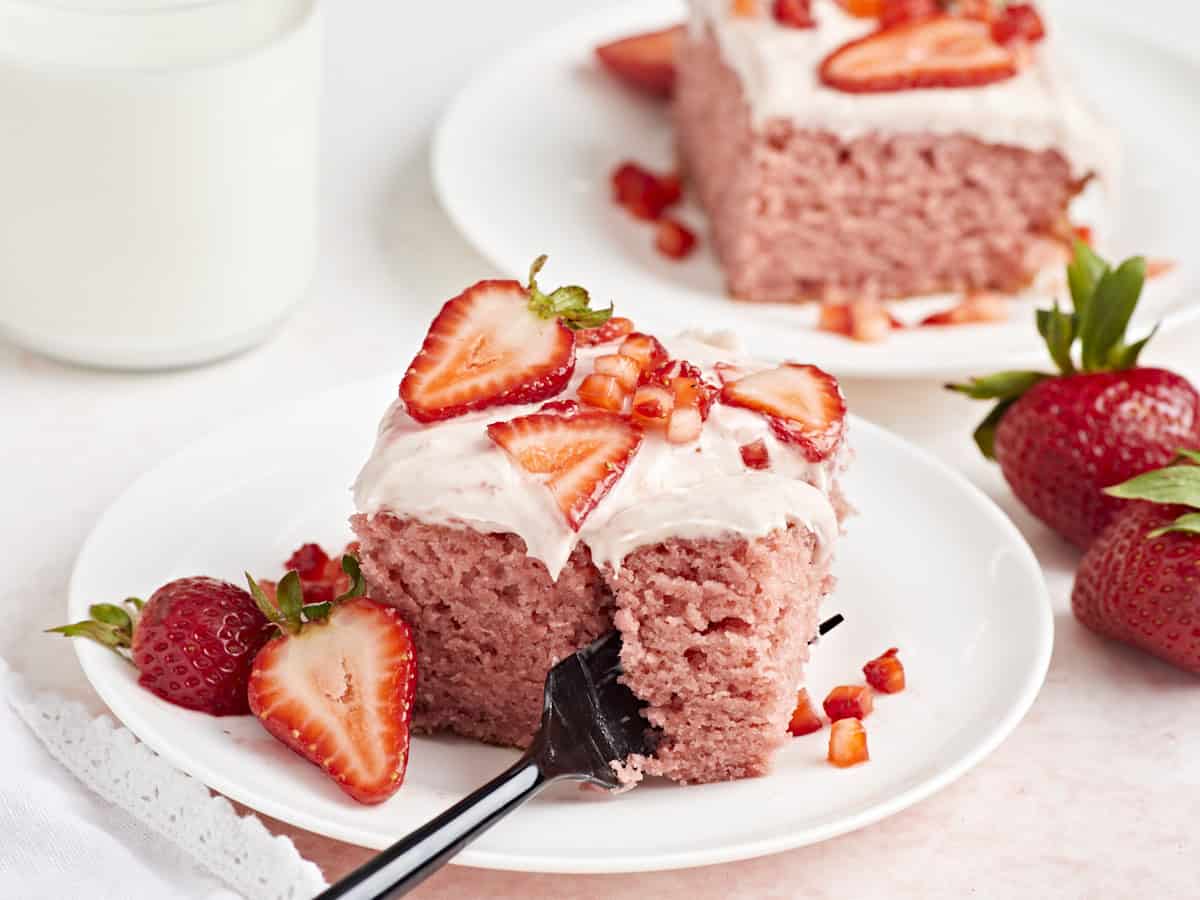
(1093, 796)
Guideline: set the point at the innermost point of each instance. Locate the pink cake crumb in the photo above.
(715, 635)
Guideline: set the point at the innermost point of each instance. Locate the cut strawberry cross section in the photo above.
(579, 458)
(497, 343)
(938, 52)
(803, 404)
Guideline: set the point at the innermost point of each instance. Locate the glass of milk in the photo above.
(158, 169)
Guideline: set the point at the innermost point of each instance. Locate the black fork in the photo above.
(589, 720)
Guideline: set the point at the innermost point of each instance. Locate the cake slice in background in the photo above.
(848, 159)
(697, 514)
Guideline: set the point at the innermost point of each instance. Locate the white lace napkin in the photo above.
(116, 821)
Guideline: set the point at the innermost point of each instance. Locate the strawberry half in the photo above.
(645, 62)
(497, 343)
(803, 404)
(579, 457)
(336, 685)
(938, 52)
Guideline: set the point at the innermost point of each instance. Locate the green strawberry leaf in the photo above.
(1001, 386)
(1102, 327)
(290, 595)
(1188, 455)
(104, 634)
(1174, 484)
(358, 584)
(136, 602)
(1058, 329)
(985, 434)
(1186, 524)
(1125, 356)
(265, 606)
(571, 304)
(316, 612)
(109, 614)
(1083, 274)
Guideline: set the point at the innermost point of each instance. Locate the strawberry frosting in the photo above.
(452, 474)
(1037, 110)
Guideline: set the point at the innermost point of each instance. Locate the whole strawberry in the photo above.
(1062, 439)
(193, 642)
(1139, 582)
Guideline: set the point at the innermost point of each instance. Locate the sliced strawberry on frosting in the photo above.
(496, 343)
(579, 457)
(645, 62)
(803, 404)
(939, 52)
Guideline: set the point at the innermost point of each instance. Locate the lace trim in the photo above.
(109, 760)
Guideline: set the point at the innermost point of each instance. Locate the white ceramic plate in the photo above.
(930, 565)
(522, 158)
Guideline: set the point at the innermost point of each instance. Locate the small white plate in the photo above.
(930, 565)
(522, 158)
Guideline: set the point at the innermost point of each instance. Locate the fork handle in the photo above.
(412, 859)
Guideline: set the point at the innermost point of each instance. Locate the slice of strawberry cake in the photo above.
(546, 476)
(881, 148)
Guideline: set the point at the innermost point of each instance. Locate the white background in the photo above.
(1091, 797)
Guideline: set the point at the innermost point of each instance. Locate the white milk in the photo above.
(158, 165)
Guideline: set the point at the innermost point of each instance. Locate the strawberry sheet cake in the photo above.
(881, 148)
(546, 476)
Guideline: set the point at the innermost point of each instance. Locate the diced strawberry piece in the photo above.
(673, 239)
(848, 743)
(487, 348)
(727, 373)
(308, 562)
(835, 318)
(897, 12)
(623, 368)
(612, 330)
(803, 405)
(755, 455)
(804, 718)
(578, 458)
(340, 694)
(1018, 22)
(794, 13)
(848, 701)
(745, 9)
(896, 324)
(977, 309)
(652, 405)
(940, 52)
(645, 194)
(684, 425)
(1084, 233)
(862, 9)
(645, 350)
(604, 392)
(562, 407)
(885, 673)
(863, 320)
(645, 62)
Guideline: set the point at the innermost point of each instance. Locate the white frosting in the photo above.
(452, 474)
(1038, 109)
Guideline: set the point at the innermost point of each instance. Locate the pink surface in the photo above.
(797, 214)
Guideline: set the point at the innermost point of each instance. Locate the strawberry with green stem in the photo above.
(336, 684)
(192, 643)
(1139, 582)
(1061, 439)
